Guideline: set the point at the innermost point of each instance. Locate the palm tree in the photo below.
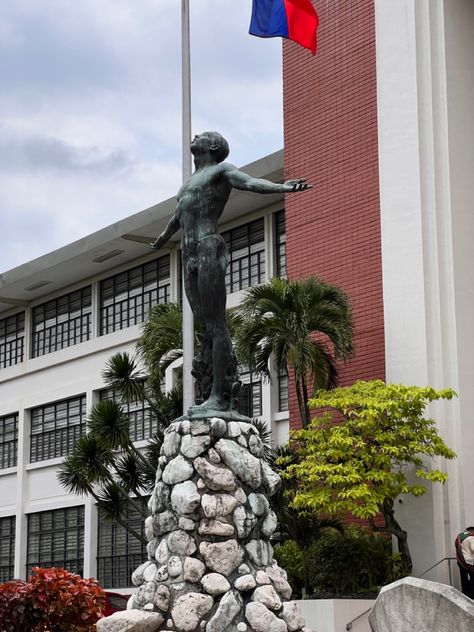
(304, 325)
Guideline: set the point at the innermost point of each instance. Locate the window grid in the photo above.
(143, 423)
(280, 244)
(8, 441)
(7, 548)
(56, 538)
(246, 246)
(127, 297)
(119, 553)
(56, 427)
(12, 340)
(250, 396)
(62, 322)
(283, 404)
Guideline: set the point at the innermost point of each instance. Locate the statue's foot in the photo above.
(212, 403)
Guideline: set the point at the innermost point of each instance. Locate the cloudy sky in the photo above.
(90, 122)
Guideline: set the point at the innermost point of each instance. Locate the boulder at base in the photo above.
(131, 621)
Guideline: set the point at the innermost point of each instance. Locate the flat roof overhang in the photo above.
(119, 243)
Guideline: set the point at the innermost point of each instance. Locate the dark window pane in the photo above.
(246, 246)
(126, 298)
(56, 538)
(8, 441)
(12, 340)
(280, 243)
(250, 396)
(7, 548)
(62, 322)
(283, 392)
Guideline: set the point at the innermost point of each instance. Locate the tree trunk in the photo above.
(395, 529)
(305, 402)
(307, 585)
(301, 405)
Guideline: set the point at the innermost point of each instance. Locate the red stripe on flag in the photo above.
(302, 23)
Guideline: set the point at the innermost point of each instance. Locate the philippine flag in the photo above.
(295, 19)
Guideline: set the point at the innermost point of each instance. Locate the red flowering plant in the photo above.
(53, 600)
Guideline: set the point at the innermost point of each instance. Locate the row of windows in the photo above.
(126, 298)
(56, 538)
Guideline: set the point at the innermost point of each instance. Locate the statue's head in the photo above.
(211, 142)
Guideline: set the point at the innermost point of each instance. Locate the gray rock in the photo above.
(200, 427)
(242, 627)
(241, 440)
(138, 573)
(175, 566)
(151, 549)
(218, 427)
(221, 557)
(194, 569)
(214, 477)
(261, 619)
(256, 446)
(268, 596)
(186, 524)
(246, 427)
(270, 524)
(245, 583)
(178, 470)
(171, 444)
(181, 543)
(260, 552)
(240, 495)
(145, 593)
(419, 605)
(215, 527)
(173, 427)
(150, 573)
(243, 569)
(240, 461)
(189, 609)
(282, 587)
(215, 584)
(213, 456)
(149, 535)
(164, 522)
(271, 480)
(160, 498)
(185, 498)
(162, 574)
(218, 505)
(162, 598)
(233, 429)
(262, 578)
(229, 606)
(131, 621)
(245, 521)
(192, 446)
(185, 427)
(259, 504)
(162, 552)
(291, 615)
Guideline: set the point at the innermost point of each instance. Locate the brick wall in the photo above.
(330, 118)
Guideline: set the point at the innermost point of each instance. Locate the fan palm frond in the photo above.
(122, 374)
(108, 422)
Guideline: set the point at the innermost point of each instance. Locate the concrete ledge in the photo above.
(418, 605)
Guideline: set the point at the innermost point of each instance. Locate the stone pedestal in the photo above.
(210, 563)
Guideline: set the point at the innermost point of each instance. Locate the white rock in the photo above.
(262, 578)
(270, 524)
(200, 427)
(185, 427)
(233, 429)
(201, 485)
(215, 478)
(246, 427)
(162, 552)
(171, 444)
(130, 621)
(137, 575)
(189, 609)
(178, 470)
(292, 616)
(221, 557)
(181, 543)
(245, 583)
(173, 427)
(240, 495)
(270, 479)
(260, 552)
(261, 619)
(242, 627)
(213, 456)
(175, 566)
(164, 522)
(162, 573)
(240, 461)
(229, 606)
(150, 572)
(218, 505)
(186, 523)
(215, 584)
(192, 446)
(256, 446)
(185, 498)
(268, 596)
(258, 503)
(194, 569)
(215, 527)
(145, 593)
(244, 520)
(162, 597)
(241, 440)
(149, 535)
(159, 500)
(283, 588)
(131, 603)
(218, 427)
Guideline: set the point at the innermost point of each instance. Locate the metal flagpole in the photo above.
(188, 320)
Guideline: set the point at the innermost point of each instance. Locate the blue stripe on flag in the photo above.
(268, 19)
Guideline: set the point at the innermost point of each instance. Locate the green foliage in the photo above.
(290, 557)
(53, 600)
(279, 320)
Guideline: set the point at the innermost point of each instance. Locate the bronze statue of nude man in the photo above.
(200, 203)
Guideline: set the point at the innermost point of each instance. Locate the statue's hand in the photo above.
(296, 185)
(158, 243)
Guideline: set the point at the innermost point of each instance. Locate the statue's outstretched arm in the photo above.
(172, 227)
(240, 180)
